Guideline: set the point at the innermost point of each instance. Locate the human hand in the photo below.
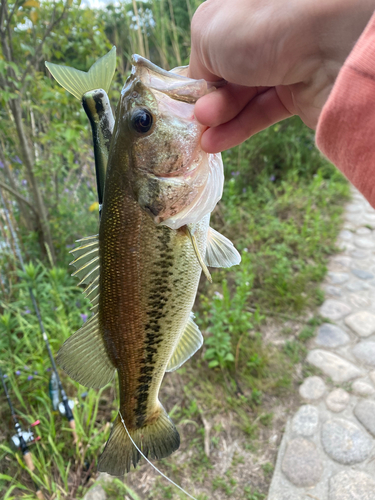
(280, 58)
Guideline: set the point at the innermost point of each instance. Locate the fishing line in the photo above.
(65, 400)
(152, 465)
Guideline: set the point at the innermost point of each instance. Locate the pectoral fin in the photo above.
(198, 254)
(220, 251)
(190, 341)
(77, 82)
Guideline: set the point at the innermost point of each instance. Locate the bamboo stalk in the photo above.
(141, 47)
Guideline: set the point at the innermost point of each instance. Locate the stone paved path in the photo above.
(328, 449)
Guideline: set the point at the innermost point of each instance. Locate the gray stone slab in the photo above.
(359, 301)
(312, 388)
(334, 309)
(333, 290)
(354, 207)
(337, 400)
(352, 485)
(356, 286)
(305, 422)
(362, 274)
(359, 254)
(356, 219)
(362, 323)
(301, 463)
(366, 242)
(342, 260)
(334, 366)
(365, 413)
(365, 352)
(370, 218)
(345, 246)
(338, 278)
(363, 231)
(363, 388)
(346, 235)
(345, 442)
(96, 493)
(331, 336)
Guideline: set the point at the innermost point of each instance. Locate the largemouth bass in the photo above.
(142, 270)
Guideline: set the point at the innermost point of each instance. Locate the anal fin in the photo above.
(84, 357)
(189, 343)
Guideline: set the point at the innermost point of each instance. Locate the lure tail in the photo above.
(156, 440)
(77, 82)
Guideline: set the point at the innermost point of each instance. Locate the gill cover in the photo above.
(174, 180)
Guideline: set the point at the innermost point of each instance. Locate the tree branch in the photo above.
(15, 6)
(18, 196)
(38, 50)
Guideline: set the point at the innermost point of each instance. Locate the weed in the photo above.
(267, 468)
(227, 318)
(227, 484)
(266, 419)
(237, 459)
(251, 494)
(256, 364)
(117, 490)
(295, 350)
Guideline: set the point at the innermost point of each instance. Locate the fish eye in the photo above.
(142, 120)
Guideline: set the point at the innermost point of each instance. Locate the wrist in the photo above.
(338, 24)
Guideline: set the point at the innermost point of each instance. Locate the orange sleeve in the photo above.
(346, 127)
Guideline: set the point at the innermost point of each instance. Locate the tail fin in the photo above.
(77, 82)
(156, 440)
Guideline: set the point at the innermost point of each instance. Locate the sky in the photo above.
(97, 4)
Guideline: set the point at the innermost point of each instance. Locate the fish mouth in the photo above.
(175, 85)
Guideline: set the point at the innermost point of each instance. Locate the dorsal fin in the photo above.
(86, 259)
(83, 356)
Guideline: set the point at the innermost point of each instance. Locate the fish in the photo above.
(143, 268)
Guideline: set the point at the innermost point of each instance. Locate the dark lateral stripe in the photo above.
(157, 300)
